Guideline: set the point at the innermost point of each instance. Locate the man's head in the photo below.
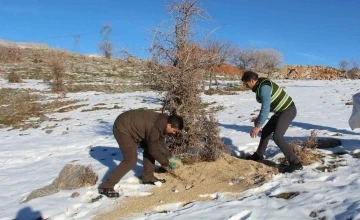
(249, 79)
(174, 124)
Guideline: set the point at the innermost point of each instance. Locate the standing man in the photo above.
(273, 99)
(144, 128)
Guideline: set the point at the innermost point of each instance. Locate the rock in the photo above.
(286, 195)
(311, 72)
(313, 214)
(75, 194)
(328, 143)
(356, 154)
(75, 176)
(45, 191)
(71, 177)
(132, 59)
(44, 118)
(62, 95)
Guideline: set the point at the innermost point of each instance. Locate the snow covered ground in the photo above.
(32, 158)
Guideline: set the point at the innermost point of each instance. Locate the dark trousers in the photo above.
(128, 148)
(278, 124)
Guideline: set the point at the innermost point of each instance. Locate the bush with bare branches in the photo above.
(304, 150)
(57, 63)
(175, 68)
(353, 73)
(14, 77)
(106, 46)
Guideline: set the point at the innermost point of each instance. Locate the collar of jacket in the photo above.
(256, 86)
(161, 123)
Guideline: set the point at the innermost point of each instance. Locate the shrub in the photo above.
(353, 73)
(176, 69)
(57, 63)
(305, 150)
(14, 77)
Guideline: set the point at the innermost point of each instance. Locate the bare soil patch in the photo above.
(196, 182)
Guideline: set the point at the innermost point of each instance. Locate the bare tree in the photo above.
(351, 68)
(244, 58)
(262, 60)
(217, 53)
(343, 65)
(177, 60)
(268, 61)
(106, 45)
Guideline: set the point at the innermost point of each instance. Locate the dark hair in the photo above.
(176, 121)
(249, 75)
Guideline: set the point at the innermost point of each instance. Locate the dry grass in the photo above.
(17, 106)
(207, 104)
(88, 177)
(219, 92)
(108, 88)
(95, 108)
(307, 156)
(311, 142)
(71, 108)
(44, 64)
(10, 54)
(20, 105)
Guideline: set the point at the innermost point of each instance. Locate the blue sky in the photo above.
(309, 32)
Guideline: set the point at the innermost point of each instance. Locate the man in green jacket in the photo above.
(273, 99)
(147, 129)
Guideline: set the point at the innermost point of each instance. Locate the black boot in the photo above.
(111, 193)
(153, 181)
(255, 157)
(293, 167)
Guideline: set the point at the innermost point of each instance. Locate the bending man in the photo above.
(273, 99)
(144, 128)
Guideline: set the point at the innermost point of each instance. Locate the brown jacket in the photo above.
(147, 127)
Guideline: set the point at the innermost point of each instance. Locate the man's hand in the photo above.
(254, 132)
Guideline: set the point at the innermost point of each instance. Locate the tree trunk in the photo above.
(216, 82)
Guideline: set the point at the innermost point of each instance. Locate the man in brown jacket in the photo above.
(144, 128)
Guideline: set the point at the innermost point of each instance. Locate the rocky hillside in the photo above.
(31, 61)
(310, 72)
(293, 72)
